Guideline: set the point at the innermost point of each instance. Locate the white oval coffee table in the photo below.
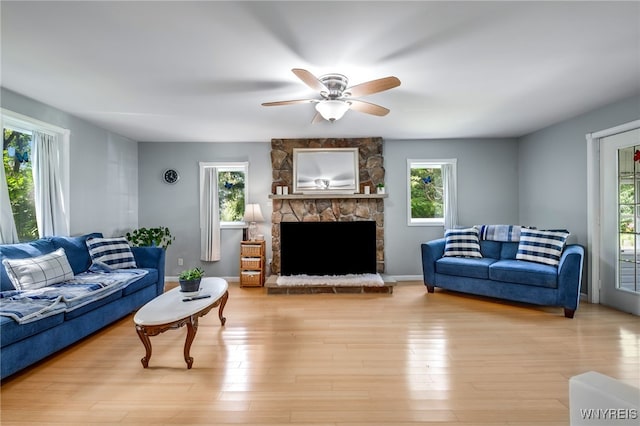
(170, 311)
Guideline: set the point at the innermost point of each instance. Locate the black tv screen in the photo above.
(327, 248)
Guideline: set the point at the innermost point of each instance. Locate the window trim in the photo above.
(415, 163)
(226, 166)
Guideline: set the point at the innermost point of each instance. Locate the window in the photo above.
(232, 191)
(16, 158)
(431, 192)
(33, 151)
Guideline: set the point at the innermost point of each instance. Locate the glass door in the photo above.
(620, 256)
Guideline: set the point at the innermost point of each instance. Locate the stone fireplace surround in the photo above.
(327, 208)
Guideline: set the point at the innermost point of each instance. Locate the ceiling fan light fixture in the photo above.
(331, 109)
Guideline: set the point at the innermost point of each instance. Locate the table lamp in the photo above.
(253, 214)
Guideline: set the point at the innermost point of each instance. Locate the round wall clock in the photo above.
(170, 176)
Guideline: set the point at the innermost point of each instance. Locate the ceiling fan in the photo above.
(337, 98)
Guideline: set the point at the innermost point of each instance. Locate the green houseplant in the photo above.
(149, 237)
(190, 279)
(380, 188)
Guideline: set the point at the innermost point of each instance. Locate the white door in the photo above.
(620, 221)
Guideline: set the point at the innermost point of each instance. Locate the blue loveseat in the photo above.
(498, 274)
(23, 344)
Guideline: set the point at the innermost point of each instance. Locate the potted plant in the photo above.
(380, 188)
(151, 237)
(190, 279)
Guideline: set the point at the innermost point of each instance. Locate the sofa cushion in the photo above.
(11, 331)
(462, 243)
(464, 267)
(40, 271)
(114, 252)
(541, 246)
(84, 308)
(509, 250)
(76, 249)
(490, 249)
(523, 272)
(21, 251)
(151, 278)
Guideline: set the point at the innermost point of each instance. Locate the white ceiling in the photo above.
(199, 71)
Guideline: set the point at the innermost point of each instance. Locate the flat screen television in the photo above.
(328, 248)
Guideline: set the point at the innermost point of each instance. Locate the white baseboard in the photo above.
(407, 277)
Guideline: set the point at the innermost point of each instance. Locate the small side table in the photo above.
(168, 311)
(252, 263)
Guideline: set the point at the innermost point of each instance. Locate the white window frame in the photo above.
(26, 124)
(425, 163)
(226, 166)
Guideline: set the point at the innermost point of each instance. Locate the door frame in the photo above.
(593, 205)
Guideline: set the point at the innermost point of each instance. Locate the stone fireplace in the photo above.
(328, 207)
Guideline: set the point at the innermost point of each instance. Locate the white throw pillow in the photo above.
(36, 272)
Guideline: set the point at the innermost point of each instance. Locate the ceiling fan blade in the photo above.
(310, 79)
(317, 118)
(373, 86)
(291, 102)
(368, 107)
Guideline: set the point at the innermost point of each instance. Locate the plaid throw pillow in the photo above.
(541, 246)
(113, 252)
(41, 271)
(462, 243)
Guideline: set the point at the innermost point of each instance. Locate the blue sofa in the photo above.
(498, 274)
(24, 344)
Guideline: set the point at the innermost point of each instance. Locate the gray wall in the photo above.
(177, 206)
(552, 166)
(487, 187)
(103, 170)
(486, 171)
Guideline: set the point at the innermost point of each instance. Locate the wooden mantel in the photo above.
(320, 196)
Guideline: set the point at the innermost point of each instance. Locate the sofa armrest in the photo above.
(431, 251)
(153, 258)
(570, 276)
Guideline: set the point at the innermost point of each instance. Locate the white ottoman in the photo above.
(596, 399)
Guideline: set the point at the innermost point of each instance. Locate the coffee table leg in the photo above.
(147, 345)
(223, 302)
(192, 328)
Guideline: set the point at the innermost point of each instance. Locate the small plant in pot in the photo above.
(190, 280)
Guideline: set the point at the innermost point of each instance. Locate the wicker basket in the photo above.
(250, 263)
(250, 278)
(250, 250)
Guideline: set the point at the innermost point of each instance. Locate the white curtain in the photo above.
(450, 196)
(209, 217)
(8, 232)
(47, 182)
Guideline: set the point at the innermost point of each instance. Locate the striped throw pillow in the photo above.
(113, 252)
(41, 271)
(541, 246)
(462, 243)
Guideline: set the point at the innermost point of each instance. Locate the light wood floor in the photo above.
(402, 359)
